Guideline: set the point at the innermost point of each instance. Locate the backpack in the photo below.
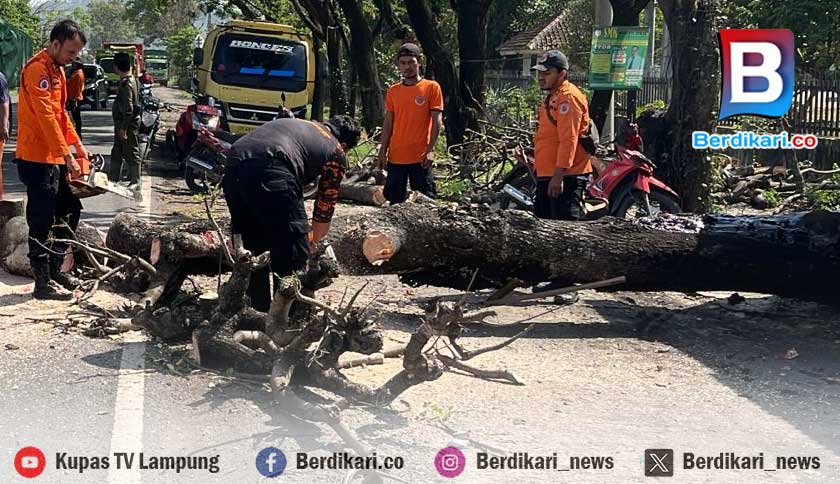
(588, 140)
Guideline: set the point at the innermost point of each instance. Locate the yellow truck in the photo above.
(247, 66)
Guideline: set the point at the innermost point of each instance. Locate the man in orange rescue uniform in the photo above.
(75, 94)
(561, 162)
(44, 160)
(413, 117)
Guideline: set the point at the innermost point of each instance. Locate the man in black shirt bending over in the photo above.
(263, 185)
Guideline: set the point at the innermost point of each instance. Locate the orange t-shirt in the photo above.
(556, 144)
(412, 129)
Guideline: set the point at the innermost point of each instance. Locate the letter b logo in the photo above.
(757, 72)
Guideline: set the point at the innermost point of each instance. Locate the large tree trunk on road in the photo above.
(791, 255)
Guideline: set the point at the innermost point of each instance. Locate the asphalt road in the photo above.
(594, 389)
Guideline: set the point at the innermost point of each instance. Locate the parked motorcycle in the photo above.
(202, 114)
(205, 162)
(145, 90)
(149, 124)
(625, 187)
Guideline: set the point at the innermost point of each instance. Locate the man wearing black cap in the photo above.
(413, 117)
(561, 162)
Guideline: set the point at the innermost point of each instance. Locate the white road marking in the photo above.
(145, 204)
(127, 435)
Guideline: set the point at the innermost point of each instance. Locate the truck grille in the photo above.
(249, 114)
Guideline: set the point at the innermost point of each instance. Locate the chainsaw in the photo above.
(92, 181)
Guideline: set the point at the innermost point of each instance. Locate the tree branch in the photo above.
(316, 29)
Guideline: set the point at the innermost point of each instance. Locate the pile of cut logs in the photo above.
(750, 184)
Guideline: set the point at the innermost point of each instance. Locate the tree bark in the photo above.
(472, 49)
(695, 91)
(320, 81)
(458, 117)
(338, 87)
(365, 193)
(790, 255)
(363, 57)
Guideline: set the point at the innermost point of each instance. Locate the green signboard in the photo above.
(617, 59)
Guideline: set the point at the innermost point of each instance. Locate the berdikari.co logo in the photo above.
(757, 72)
(757, 76)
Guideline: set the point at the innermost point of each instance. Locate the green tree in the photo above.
(52, 14)
(19, 14)
(509, 17)
(815, 24)
(109, 22)
(180, 47)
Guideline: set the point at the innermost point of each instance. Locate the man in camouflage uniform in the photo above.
(126, 115)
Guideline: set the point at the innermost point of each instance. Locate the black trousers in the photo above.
(50, 205)
(422, 180)
(75, 111)
(266, 207)
(125, 151)
(568, 206)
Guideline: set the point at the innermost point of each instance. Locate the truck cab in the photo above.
(157, 64)
(247, 66)
(105, 58)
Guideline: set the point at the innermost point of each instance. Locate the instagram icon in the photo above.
(450, 462)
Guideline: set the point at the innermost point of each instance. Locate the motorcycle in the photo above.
(149, 124)
(624, 187)
(202, 114)
(145, 90)
(205, 163)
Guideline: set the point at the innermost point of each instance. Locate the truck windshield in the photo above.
(90, 73)
(107, 65)
(260, 61)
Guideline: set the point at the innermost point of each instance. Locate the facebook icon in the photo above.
(271, 462)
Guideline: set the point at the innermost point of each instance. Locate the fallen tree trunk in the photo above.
(791, 255)
(365, 193)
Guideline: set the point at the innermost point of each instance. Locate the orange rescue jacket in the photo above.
(44, 131)
(556, 142)
(76, 85)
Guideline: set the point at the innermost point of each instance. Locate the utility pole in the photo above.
(650, 21)
(604, 18)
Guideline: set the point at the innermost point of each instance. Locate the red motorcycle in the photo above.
(624, 187)
(203, 114)
(204, 163)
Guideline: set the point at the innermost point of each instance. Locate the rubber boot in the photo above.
(44, 289)
(63, 279)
